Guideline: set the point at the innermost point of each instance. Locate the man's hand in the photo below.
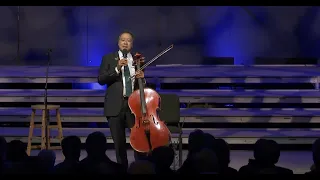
(122, 62)
(139, 74)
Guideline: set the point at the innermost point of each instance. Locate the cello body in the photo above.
(149, 131)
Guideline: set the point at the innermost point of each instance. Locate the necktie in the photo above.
(127, 81)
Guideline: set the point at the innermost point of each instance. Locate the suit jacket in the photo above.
(114, 93)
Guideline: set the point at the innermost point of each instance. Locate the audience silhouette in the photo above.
(223, 154)
(141, 167)
(71, 149)
(266, 154)
(47, 158)
(206, 155)
(3, 154)
(97, 161)
(315, 169)
(162, 158)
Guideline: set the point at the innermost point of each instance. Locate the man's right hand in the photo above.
(122, 62)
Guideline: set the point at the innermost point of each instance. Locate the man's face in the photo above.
(125, 41)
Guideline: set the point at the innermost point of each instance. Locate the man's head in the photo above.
(266, 151)
(47, 158)
(141, 167)
(125, 41)
(221, 148)
(205, 161)
(316, 152)
(3, 148)
(163, 156)
(71, 147)
(96, 144)
(16, 151)
(195, 141)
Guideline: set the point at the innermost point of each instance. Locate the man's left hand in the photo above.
(139, 74)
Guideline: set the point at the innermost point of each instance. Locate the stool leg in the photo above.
(43, 128)
(48, 129)
(31, 127)
(60, 135)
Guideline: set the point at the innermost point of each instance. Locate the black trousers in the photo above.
(118, 125)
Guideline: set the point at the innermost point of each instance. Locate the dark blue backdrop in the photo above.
(81, 35)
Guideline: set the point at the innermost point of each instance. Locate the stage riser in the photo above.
(235, 132)
(205, 125)
(185, 96)
(244, 86)
(229, 80)
(168, 71)
(186, 119)
(182, 93)
(231, 141)
(238, 136)
(186, 100)
(211, 80)
(166, 87)
(195, 112)
(195, 94)
(165, 78)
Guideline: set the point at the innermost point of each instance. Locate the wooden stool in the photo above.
(43, 126)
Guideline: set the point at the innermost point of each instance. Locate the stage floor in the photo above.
(298, 161)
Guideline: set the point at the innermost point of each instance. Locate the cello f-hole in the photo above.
(154, 120)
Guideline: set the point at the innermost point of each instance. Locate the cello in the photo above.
(148, 132)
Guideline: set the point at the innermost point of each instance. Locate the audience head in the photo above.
(16, 151)
(141, 167)
(316, 152)
(34, 164)
(268, 171)
(163, 156)
(47, 158)
(71, 148)
(96, 144)
(205, 161)
(195, 141)
(266, 151)
(3, 148)
(223, 152)
(209, 141)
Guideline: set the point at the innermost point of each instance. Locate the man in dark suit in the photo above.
(115, 71)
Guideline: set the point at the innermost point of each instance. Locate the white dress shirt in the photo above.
(131, 69)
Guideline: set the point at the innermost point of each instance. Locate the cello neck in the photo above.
(141, 90)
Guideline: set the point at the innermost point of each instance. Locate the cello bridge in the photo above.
(145, 122)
